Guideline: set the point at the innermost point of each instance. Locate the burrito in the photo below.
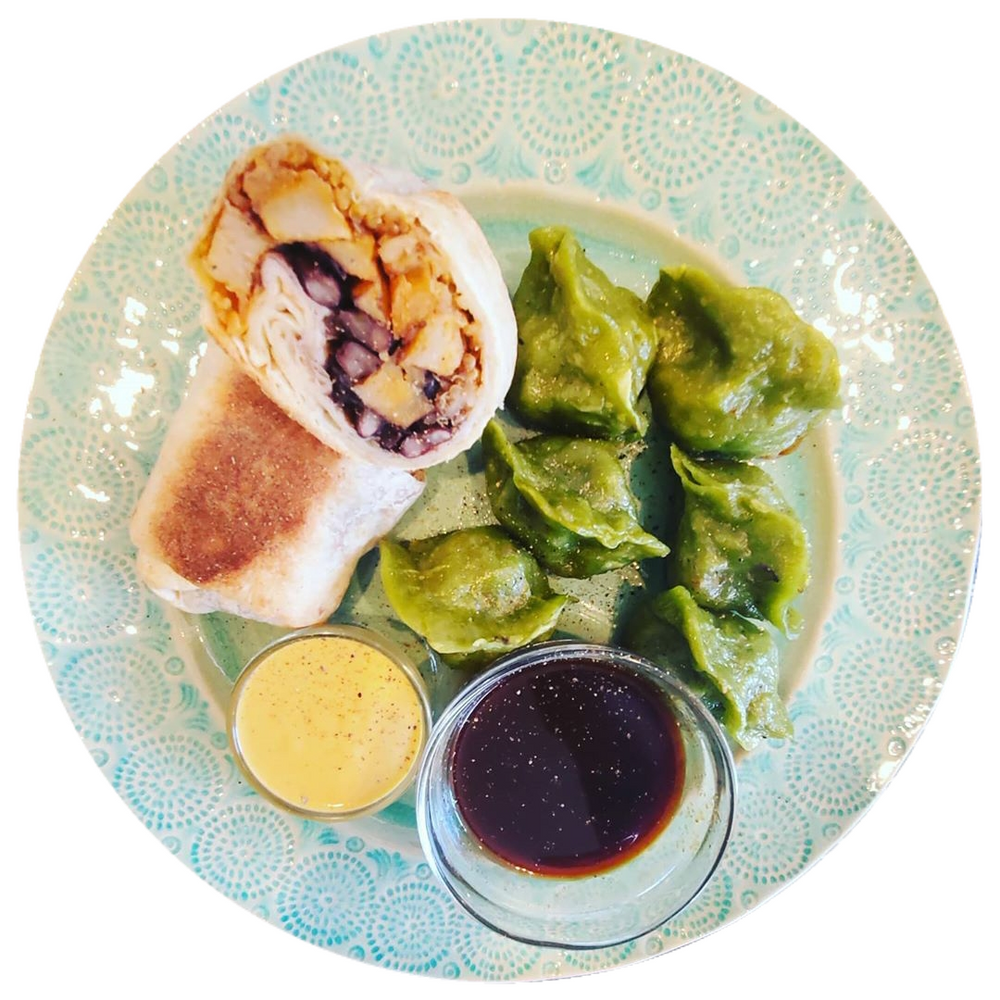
(246, 512)
(369, 307)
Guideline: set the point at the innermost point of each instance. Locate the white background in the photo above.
(92, 95)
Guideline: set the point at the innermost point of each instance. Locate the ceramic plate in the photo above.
(653, 159)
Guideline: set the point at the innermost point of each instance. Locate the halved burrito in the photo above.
(369, 307)
(246, 512)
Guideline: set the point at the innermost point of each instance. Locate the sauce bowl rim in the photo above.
(448, 725)
(363, 636)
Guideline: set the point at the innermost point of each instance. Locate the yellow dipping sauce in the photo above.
(328, 724)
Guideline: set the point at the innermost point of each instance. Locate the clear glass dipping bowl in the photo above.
(615, 904)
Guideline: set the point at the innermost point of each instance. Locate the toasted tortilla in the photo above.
(245, 511)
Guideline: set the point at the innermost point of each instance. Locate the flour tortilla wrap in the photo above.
(369, 307)
(247, 512)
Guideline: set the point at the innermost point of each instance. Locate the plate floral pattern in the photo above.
(575, 114)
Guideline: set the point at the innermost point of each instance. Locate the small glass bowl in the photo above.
(364, 637)
(617, 903)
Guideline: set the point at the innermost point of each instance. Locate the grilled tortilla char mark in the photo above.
(261, 469)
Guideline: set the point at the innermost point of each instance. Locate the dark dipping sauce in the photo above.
(568, 768)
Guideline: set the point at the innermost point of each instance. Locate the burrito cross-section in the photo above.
(246, 512)
(368, 306)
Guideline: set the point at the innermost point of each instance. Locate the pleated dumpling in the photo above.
(585, 344)
(733, 659)
(568, 500)
(473, 594)
(740, 546)
(737, 372)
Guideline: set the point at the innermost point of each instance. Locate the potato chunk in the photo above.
(372, 297)
(401, 252)
(237, 244)
(437, 346)
(355, 255)
(302, 208)
(393, 396)
(415, 297)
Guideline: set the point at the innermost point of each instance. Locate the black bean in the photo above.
(318, 272)
(413, 446)
(343, 395)
(390, 435)
(431, 385)
(368, 423)
(362, 328)
(356, 361)
(422, 441)
(321, 288)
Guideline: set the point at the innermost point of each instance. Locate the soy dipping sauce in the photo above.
(569, 767)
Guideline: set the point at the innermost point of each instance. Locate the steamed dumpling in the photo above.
(567, 500)
(736, 658)
(740, 546)
(737, 372)
(472, 593)
(585, 345)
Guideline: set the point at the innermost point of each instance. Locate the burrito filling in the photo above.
(385, 321)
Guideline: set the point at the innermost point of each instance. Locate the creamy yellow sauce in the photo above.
(328, 724)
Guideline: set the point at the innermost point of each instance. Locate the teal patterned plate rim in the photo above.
(595, 128)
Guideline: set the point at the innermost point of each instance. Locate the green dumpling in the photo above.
(735, 656)
(649, 635)
(472, 594)
(740, 546)
(567, 500)
(585, 345)
(737, 372)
